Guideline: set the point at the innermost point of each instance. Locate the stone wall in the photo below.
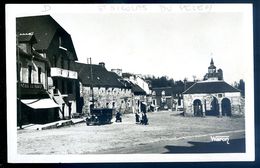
(118, 98)
(237, 104)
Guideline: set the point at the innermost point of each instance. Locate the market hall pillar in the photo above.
(203, 108)
(220, 109)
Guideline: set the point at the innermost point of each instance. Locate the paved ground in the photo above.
(167, 132)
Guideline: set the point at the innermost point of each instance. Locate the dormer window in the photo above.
(26, 41)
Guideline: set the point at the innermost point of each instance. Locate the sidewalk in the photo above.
(56, 124)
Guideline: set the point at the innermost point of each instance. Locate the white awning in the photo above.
(40, 103)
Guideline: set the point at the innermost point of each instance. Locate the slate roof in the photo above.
(210, 87)
(101, 77)
(168, 91)
(171, 91)
(44, 28)
(126, 75)
(137, 90)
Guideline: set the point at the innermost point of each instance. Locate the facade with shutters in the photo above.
(34, 105)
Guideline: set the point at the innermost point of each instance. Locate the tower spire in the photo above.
(211, 62)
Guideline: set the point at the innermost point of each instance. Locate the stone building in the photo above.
(142, 94)
(170, 97)
(213, 96)
(140, 103)
(109, 90)
(164, 97)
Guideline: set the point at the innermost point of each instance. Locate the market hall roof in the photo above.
(44, 27)
(101, 77)
(210, 87)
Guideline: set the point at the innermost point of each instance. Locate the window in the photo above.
(29, 74)
(39, 74)
(62, 44)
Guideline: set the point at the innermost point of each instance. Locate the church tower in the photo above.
(211, 68)
(212, 72)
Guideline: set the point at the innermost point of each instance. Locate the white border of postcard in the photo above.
(15, 10)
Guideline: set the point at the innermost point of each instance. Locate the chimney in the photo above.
(102, 64)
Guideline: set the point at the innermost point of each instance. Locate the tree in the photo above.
(241, 86)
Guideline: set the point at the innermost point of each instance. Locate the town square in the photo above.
(167, 132)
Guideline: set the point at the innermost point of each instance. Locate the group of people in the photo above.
(144, 119)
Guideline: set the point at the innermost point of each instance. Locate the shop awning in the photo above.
(40, 103)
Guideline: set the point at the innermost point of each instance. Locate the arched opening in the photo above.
(226, 107)
(214, 108)
(197, 107)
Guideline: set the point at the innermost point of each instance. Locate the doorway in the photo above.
(226, 107)
(197, 108)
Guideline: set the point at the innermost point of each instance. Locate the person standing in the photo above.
(137, 118)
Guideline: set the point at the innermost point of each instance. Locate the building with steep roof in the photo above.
(54, 44)
(108, 89)
(140, 98)
(170, 97)
(213, 96)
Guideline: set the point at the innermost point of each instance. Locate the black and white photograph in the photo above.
(129, 83)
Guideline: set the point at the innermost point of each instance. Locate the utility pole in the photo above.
(91, 83)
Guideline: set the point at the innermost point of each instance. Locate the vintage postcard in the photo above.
(129, 83)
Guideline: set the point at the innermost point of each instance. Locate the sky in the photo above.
(174, 44)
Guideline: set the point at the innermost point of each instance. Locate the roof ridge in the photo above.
(189, 87)
(211, 87)
(162, 87)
